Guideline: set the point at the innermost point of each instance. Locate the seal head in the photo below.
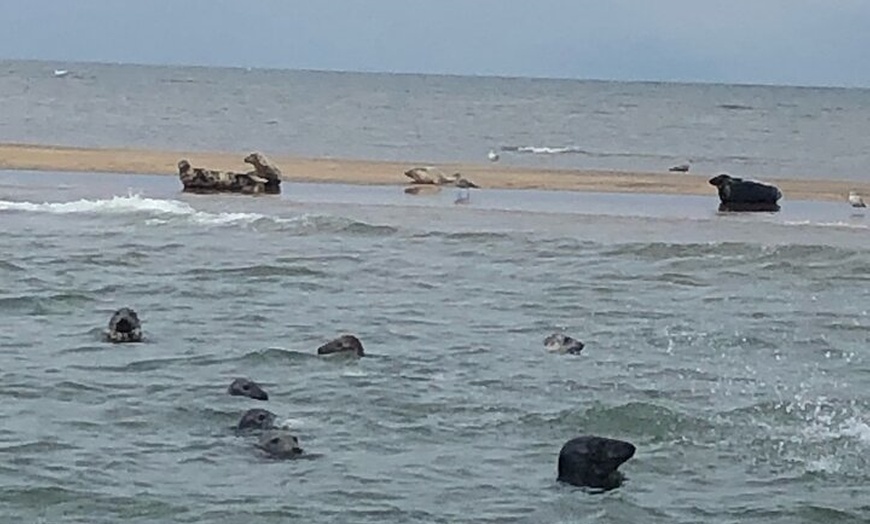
(347, 344)
(559, 343)
(590, 461)
(257, 419)
(124, 326)
(243, 387)
(280, 444)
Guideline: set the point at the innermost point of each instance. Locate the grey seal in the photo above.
(244, 387)
(736, 194)
(590, 461)
(257, 419)
(559, 343)
(124, 326)
(280, 444)
(346, 344)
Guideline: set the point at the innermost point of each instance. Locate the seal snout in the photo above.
(244, 387)
(345, 344)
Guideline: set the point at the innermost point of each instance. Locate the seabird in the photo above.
(682, 168)
(60, 72)
(492, 155)
(856, 200)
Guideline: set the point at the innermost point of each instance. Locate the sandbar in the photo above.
(36, 157)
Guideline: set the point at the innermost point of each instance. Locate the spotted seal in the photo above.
(124, 326)
(591, 461)
(244, 387)
(559, 343)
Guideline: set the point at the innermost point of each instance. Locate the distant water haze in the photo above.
(743, 130)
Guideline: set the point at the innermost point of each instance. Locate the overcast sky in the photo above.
(797, 42)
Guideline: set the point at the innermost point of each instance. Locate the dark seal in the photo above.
(593, 462)
(345, 344)
(736, 194)
(559, 343)
(243, 387)
(124, 326)
(257, 419)
(280, 444)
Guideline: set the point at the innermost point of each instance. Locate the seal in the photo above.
(257, 419)
(347, 344)
(265, 170)
(590, 461)
(243, 387)
(280, 444)
(124, 326)
(736, 194)
(559, 343)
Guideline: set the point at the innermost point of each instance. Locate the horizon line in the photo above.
(439, 74)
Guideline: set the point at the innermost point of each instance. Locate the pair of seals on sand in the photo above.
(736, 194)
(265, 178)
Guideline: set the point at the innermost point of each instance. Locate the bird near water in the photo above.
(855, 199)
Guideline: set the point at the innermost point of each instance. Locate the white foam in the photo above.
(545, 150)
(162, 211)
(840, 225)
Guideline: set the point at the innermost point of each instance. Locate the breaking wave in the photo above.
(160, 212)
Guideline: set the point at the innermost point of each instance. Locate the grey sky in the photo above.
(803, 42)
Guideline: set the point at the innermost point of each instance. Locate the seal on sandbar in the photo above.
(124, 326)
(243, 387)
(590, 461)
(736, 194)
(280, 444)
(345, 344)
(257, 419)
(559, 343)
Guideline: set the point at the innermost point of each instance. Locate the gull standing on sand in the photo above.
(463, 183)
(492, 155)
(856, 200)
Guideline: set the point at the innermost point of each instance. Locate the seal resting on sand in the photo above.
(346, 344)
(280, 444)
(257, 419)
(266, 170)
(590, 461)
(243, 387)
(265, 178)
(736, 194)
(124, 326)
(559, 343)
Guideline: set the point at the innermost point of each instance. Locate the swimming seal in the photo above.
(348, 344)
(590, 461)
(559, 343)
(244, 387)
(257, 419)
(124, 326)
(280, 444)
(736, 194)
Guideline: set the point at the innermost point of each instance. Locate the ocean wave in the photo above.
(170, 212)
(545, 150)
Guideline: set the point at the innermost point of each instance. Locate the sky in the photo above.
(787, 42)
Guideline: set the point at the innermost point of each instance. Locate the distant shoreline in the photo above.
(37, 157)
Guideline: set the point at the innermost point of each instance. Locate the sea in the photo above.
(730, 348)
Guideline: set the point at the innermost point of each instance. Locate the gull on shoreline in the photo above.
(492, 155)
(856, 200)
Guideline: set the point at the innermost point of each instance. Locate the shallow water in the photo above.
(731, 349)
(759, 131)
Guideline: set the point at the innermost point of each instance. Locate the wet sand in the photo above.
(497, 175)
